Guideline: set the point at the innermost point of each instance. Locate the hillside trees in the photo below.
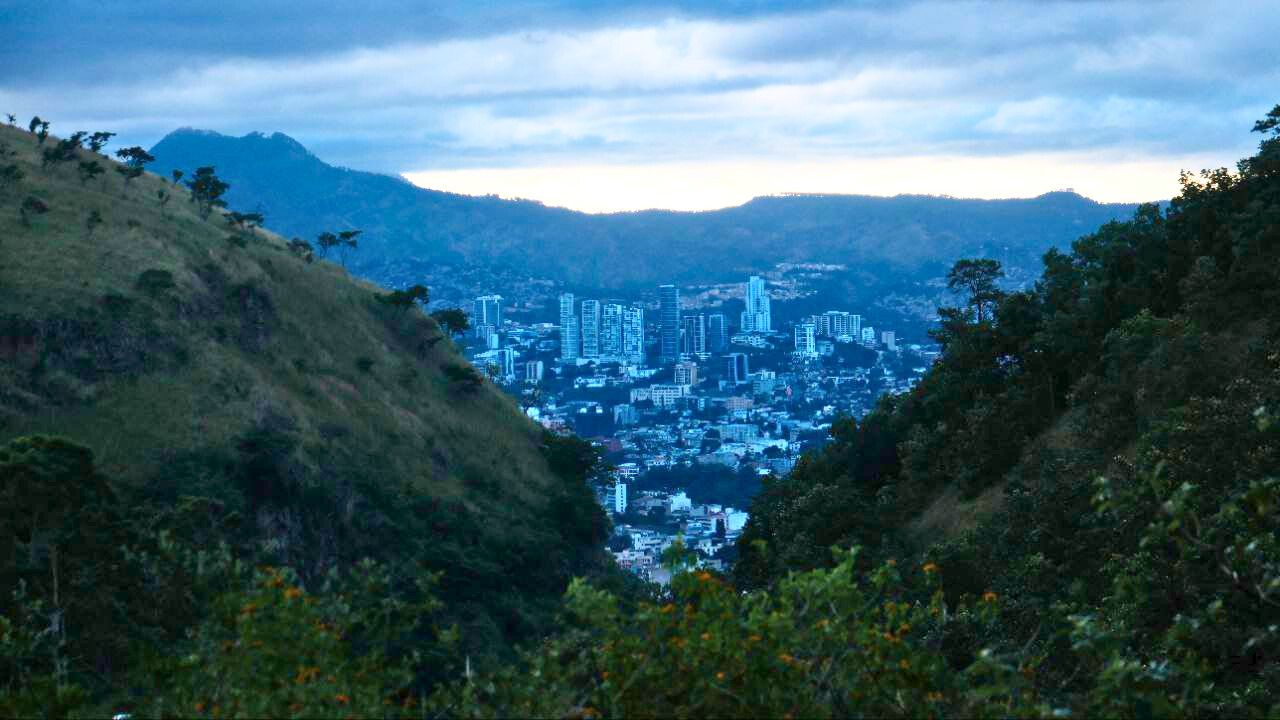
(89, 170)
(207, 191)
(452, 320)
(347, 242)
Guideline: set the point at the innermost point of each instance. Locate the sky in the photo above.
(619, 105)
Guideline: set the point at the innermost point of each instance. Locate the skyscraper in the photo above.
(736, 369)
(611, 331)
(487, 310)
(568, 328)
(806, 345)
(694, 340)
(757, 317)
(717, 333)
(590, 328)
(633, 335)
(669, 323)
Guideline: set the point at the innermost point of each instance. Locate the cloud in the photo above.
(459, 86)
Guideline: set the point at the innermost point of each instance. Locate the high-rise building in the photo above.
(686, 373)
(568, 328)
(616, 497)
(590, 328)
(611, 331)
(757, 317)
(694, 338)
(806, 344)
(506, 358)
(633, 335)
(890, 339)
(533, 370)
(735, 368)
(717, 332)
(821, 324)
(487, 310)
(669, 323)
(855, 326)
(869, 336)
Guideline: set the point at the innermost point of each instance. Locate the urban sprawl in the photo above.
(690, 409)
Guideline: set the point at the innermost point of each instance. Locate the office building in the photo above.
(806, 344)
(686, 373)
(668, 324)
(486, 315)
(533, 371)
(758, 316)
(717, 333)
(590, 328)
(616, 497)
(568, 329)
(694, 338)
(611, 331)
(890, 339)
(633, 335)
(869, 336)
(736, 370)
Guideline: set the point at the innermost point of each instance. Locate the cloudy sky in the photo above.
(614, 104)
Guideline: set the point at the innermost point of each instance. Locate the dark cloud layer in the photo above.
(401, 85)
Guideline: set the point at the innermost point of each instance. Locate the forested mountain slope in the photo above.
(232, 389)
(413, 232)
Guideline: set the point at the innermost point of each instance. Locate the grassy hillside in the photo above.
(319, 421)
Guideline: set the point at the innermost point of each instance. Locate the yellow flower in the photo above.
(720, 675)
(604, 675)
(754, 638)
(989, 596)
(668, 608)
(784, 657)
(905, 664)
(706, 636)
(704, 576)
(934, 697)
(199, 707)
(341, 699)
(930, 567)
(292, 593)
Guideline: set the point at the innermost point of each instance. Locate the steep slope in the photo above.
(197, 360)
(414, 233)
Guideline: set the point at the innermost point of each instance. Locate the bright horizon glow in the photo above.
(694, 186)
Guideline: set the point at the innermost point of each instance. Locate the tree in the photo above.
(90, 170)
(326, 241)
(77, 138)
(40, 128)
(207, 190)
(162, 197)
(64, 151)
(176, 175)
(405, 299)
(347, 241)
(135, 156)
(978, 279)
(452, 320)
(32, 206)
(245, 222)
(302, 249)
(129, 172)
(99, 140)
(12, 118)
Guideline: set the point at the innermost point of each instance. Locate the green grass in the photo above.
(323, 319)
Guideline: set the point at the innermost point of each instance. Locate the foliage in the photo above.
(405, 299)
(207, 190)
(452, 320)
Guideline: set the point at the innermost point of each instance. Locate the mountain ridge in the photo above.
(411, 232)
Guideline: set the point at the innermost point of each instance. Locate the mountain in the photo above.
(413, 234)
(199, 361)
